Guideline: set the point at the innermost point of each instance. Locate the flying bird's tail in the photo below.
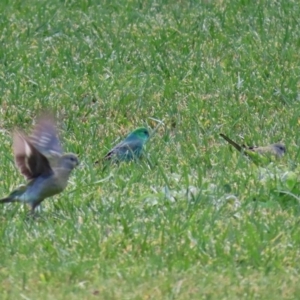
(14, 196)
(7, 200)
(231, 142)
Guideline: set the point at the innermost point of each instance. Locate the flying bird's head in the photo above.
(69, 161)
(279, 149)
(140, 133)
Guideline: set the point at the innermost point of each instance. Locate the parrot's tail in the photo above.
(231, 142)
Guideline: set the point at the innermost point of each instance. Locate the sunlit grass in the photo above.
(193, 219)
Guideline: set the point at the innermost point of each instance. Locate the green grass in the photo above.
(195, 220)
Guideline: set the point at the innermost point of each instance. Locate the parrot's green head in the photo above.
(140, 133)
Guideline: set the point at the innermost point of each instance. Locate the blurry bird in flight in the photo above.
(40, 159)
(259, 155)
(130, 148)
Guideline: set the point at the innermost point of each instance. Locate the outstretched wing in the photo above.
(28, 159)
(44, 137)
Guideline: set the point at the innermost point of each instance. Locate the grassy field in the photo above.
(195, 220)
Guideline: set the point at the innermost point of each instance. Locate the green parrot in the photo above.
(259, 155)
(131, 147)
